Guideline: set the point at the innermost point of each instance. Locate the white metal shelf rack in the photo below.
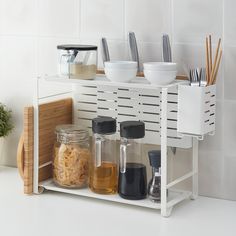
(157, 106)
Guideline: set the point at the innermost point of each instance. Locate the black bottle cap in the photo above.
(155, 158)
(77, 47)
(132, 129)
(104, 125)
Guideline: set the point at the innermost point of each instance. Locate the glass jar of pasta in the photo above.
(71, 157)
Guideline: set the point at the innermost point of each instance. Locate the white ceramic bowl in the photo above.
(121, 64)
(160, 77)
(160, 66)
(120, 75)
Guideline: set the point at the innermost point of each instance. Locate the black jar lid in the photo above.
(104, 125)
(155, 158)
(77, 47)
(132, 129)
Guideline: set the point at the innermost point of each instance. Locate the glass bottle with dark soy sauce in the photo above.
(132, 182)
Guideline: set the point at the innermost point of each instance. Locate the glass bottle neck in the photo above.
(156, 172)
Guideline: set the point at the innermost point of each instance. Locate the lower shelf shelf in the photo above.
(174, 196)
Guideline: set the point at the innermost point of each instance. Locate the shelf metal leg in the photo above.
(164, 208)
(195, 170)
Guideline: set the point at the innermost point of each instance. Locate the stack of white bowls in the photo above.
(160, 73)
(121, 71)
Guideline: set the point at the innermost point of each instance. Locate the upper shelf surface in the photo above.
(138, 82)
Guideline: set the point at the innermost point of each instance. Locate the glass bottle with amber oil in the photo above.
(103, 176)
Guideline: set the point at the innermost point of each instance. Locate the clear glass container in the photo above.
(77, 61)
(132, 182)
(103, 177)
(154, 186)
(72, 157)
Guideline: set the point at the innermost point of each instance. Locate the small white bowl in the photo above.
(121, 64)
(160, 77)
(160, 66)
(120, 75)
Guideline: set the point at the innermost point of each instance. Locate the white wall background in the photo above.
(31, 29)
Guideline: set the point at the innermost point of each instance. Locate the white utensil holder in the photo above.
(196, 110)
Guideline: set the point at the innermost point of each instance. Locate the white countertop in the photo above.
(57, 214)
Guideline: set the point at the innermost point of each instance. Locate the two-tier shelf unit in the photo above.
(175, 115)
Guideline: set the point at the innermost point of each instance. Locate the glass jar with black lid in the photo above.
(103, 178)
(77, 61)
(132, 182)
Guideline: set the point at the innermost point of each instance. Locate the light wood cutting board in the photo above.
(50, 115)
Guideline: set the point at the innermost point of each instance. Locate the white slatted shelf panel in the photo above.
(128, 103)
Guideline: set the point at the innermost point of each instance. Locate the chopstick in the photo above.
(215, 62)
(212, 69)
(207, 61)
(217, 68)
(210, 46)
